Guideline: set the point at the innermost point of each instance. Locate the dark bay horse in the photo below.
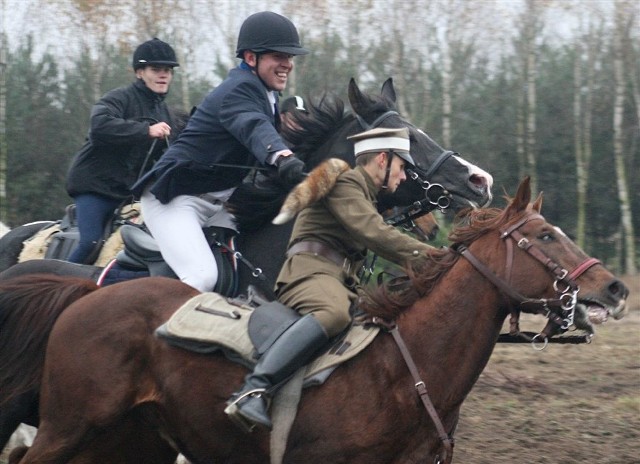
(104, 364)
(322, 134)
(441, 179)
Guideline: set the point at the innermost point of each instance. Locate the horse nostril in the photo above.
(478, 181)
(619, 289)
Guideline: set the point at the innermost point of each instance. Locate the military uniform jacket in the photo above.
(348, 222)
(118, 142)
(234, 125)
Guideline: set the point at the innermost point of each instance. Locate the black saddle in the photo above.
(141, 253)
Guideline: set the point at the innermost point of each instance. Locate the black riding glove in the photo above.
(290, 170)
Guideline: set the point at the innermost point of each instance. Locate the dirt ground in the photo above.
(566, 404)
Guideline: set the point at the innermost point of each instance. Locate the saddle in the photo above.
(58, 240)
(141, 255)
(243, 329)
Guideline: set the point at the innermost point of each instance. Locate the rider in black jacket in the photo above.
(130, 128)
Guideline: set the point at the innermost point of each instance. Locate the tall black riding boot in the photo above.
(292, 350)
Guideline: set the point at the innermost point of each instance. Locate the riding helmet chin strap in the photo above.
(385, 184)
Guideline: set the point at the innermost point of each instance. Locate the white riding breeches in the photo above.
(177, 229)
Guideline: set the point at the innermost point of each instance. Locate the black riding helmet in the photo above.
(267, 31)
(154, 52)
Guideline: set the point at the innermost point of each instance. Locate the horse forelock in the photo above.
(29, 306)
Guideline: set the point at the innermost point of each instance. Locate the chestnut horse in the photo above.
(28, 310)
(103, 363)
(323, 134)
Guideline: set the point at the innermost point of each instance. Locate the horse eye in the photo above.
(546, 236)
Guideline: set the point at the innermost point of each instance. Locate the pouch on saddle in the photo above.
(242, 331)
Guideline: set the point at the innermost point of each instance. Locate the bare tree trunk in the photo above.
(520, 118)
(583, 108)
(587, 150)
(581, 171)
(620, 30)
(446, 89)
(531, 73)
(4, 209)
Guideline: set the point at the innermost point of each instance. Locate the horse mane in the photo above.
(325, 115)
(258, 200)
(389, 299)
(29, 307)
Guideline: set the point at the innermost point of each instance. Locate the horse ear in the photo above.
(388, 91)
(523, 196)
(355, 97)
(537, 205)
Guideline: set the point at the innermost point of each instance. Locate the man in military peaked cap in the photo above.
(328, 245)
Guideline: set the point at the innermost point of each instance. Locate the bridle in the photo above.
(436, 196)
(559, 311)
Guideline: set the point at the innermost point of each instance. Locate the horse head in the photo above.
(538, 268)
(445, 178)
(442, 178)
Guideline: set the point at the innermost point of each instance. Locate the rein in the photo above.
(559, 311)
(446, 439)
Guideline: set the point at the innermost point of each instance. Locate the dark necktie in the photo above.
(276, 115)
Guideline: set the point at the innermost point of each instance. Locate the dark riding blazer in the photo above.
(233, 126)
(118, 142)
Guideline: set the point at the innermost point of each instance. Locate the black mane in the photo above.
(325, 117)
(257, 201)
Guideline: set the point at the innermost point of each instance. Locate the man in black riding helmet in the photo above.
(233, 129)
(125, 125)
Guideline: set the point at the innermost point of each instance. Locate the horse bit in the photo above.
(559, 311)
(436, 196)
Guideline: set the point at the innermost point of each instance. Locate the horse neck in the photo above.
(451, 332)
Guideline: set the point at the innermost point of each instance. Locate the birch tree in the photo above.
(586, 54)
(623, 22)
(3, 118)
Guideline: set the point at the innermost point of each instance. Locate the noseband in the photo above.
(559, 311)
(436, 196)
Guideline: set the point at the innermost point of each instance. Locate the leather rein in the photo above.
(560, 311)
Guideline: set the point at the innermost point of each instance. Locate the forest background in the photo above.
(545, 88)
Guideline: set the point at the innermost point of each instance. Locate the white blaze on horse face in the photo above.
(477, 171)
(560, 231)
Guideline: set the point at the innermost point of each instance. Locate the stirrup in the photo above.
(233, 411)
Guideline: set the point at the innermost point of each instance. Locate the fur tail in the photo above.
(320, 182)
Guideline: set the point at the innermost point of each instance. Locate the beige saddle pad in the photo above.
(212, 318)
(35, 247)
